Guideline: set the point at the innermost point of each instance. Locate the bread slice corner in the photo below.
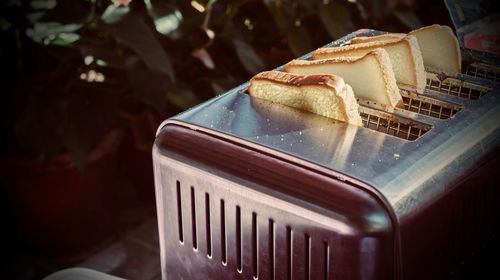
(404, 53)
(440, 48)
(371, 75)
(377, 38)
(322, 94)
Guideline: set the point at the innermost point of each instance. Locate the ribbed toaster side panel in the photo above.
(226, 211)
(214, 228)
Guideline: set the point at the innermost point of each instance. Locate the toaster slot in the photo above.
(481, 70)
(428, 106)
(392, 124)
(455, 86)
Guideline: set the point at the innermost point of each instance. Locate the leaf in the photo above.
(336, 19)
(248, 57)
(100, 50)
(4, 24)
(43, 4)
(182, 96)
(310, 4)
(378, 9)
(168, 23)
(132, 31)
(66, 12)
(287, 19)
(34, 17)
(299, 41)
(182, 10)
(143, 128)
(149, 87)
(210, 3)
(222, 84)
(408, 18)
(159, 8)
(282, 14)
(189, 37)
(204, 56)
(45, 32)
(114, 14)
(65, 39)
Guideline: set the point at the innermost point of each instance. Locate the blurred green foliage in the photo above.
(74, 70)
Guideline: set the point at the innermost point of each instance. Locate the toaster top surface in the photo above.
(406, 172)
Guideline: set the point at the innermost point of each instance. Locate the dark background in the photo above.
(86, 83)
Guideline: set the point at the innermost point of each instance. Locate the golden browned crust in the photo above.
(411, 42)
(384, 64)
(346, 60)
(448, 30)
(347, 105)
(322, 53)
(334, 82)
(341, 99)
(351, 105)
(418, 63)
(382, 37)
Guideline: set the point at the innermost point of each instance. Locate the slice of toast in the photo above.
(378, 38)
(437, 43)
(325, 95)
(370, 75)
(406, 59)
(439, 47)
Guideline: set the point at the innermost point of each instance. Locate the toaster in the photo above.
(248, 189)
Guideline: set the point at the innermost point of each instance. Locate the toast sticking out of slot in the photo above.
(439, 47)
(326, 95)
(370, 76)
(377, 38)
(437, 43)
(404, 53)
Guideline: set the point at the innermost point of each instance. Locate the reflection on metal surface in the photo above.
(310, 131)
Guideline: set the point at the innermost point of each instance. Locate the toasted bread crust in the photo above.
(379, 38)
(384, 63)
(417, 61)
(447, 29)
(410, 41)
(334, 82)
(323, 53)
(348, 107)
